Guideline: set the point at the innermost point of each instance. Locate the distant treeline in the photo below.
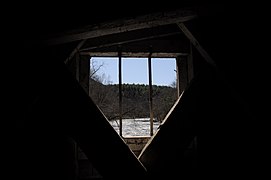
(135, 100)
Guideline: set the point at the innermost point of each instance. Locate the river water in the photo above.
(135, 127)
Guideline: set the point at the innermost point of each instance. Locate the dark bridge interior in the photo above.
(53, 114)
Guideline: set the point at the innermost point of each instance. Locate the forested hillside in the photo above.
(135, 100)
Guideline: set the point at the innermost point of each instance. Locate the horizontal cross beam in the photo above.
(133, 54)
(124, 25)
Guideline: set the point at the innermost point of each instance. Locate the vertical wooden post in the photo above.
(182, 73)
(84, 70)
(178, 78)
(150, 93)
(120, 94)
(190, 66)
(77, 66)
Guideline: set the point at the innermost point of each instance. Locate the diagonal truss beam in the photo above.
(80, 44)
(197, 45)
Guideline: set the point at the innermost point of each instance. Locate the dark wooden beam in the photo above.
(150, 92)
(123, 25)
(126, 37)
(190, 65)
(137, 39)
(197, 45)
(75, 51)
(84, 71)
(170, 44)
(133, 54)
(182, 73)
(120, 93)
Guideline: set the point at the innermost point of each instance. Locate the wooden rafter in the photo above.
(121, 42)
(124, 25)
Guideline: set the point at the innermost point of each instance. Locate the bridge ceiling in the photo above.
(135, 30)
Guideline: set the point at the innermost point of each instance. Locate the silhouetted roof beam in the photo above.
(124, 25)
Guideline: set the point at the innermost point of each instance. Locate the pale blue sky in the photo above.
(135, 70)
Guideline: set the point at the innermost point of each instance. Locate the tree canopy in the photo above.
(135, 99)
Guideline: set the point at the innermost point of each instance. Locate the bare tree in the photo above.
(173, 84)
(94, 68)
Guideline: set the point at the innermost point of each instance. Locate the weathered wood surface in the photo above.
(124, 25)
